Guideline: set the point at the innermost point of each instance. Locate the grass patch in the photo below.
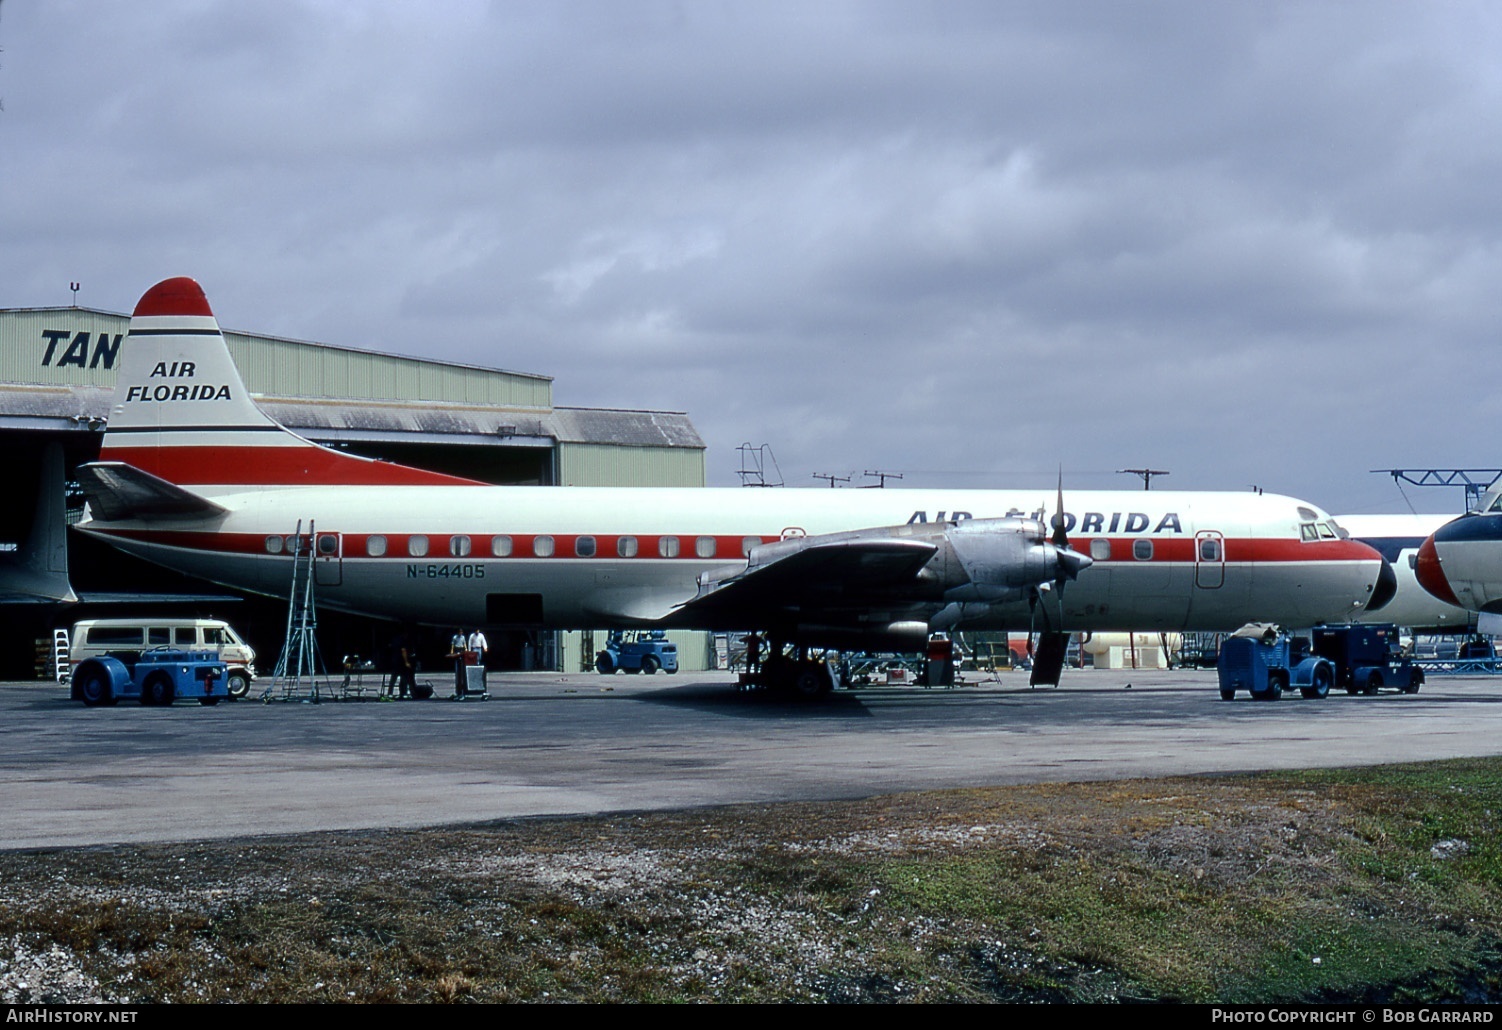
(1374, 884)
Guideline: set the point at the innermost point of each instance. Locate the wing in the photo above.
(812, 573)
(116, 490)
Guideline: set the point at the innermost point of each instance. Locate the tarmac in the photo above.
(547, 744)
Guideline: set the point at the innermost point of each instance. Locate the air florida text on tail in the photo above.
(182, 412)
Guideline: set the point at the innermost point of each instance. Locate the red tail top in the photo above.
(180, 296)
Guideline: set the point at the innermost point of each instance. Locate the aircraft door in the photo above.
(1209, 559)
(328, 551)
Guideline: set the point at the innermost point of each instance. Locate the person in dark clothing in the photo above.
(404, 666)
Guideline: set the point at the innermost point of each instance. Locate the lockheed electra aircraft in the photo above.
(1461, 563)
(192, 475)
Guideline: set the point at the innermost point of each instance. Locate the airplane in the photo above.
(1461, 562)
(1398, 539)
(192, 475)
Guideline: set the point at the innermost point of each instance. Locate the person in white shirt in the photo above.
(480, 646)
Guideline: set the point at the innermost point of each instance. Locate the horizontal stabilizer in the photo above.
(116, 491)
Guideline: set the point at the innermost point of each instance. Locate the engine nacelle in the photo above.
(1003, 559)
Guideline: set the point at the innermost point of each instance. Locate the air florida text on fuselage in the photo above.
(1092, 522)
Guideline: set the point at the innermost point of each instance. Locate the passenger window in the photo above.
(375, 546)
(459, 546)
(111, 635)
(1100, 548)
(704, 547)
(1142, 550)
(543, 547)
(667, 546)
(1209, 550)
(328, 544)
(273, 545)
(626, 547)
(748, 542)
(500, 546)
(417, 545)
(584, 547)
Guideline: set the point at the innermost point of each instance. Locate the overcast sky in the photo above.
(1250, 243)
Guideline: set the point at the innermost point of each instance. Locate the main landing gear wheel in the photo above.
(812, 680)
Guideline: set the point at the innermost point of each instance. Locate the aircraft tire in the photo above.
(810, 681)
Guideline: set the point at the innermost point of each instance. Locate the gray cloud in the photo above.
(975, 242)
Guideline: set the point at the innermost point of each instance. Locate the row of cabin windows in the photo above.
(1142, 549)
(418, 546)
(628, 546)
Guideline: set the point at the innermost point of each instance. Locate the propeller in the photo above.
(1048, 662)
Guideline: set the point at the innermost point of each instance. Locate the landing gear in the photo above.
(788, 671)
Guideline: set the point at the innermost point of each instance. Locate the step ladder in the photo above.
(299, 668)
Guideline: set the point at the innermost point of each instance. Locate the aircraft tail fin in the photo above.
(181, 412)
(38, 569)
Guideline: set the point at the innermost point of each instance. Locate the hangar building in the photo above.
(57, 375)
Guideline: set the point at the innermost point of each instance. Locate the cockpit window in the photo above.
(1307, 532)
(1308, 514)
(1327, 531)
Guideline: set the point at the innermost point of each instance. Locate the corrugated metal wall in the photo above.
(78, 347)
(606, 465)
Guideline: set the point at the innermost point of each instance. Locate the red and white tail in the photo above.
(182, 414)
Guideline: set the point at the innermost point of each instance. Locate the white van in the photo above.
(94, 637)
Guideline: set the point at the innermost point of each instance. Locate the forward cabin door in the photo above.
(328, 550)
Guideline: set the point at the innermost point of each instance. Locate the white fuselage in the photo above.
(575, 557)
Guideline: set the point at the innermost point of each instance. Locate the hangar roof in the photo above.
(24, 406)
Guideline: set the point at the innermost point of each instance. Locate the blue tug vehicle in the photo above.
(158, 676)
